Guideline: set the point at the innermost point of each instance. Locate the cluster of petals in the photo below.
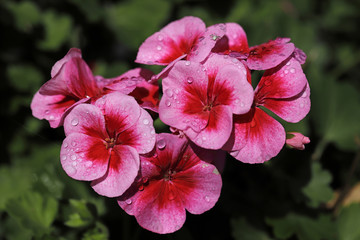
(208, 101)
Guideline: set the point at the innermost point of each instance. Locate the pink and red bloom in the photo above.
(103, 142)
(296, 140)
(200, 99)
(172, 179)
(72, 83)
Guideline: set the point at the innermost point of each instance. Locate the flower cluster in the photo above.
(207, 101)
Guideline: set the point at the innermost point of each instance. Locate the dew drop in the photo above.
(75, 122)
(74, 163)
(70, 170)
(63, 157)
(282, 75)
(302, 105)
(159, 48)
(146, 121)
(242, 104)
(190, 80)
(304, 95)
(252, 124)
(73, 157)
(286, 71)
(288, 63)
(128, 201)
(167, 103)
(215, 171)
(171, 195)
(73, 143)
(160, 38)
(161, 144)
(187, 63)
(199, 141)
(169, 92)
(207, 199)
(51, 117)
(292, 70)
(65, 145)
(141, 187)
(47, 112)
(88, 163)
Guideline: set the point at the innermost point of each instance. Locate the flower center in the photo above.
(169, 175)
(207, 107)
(109, 143)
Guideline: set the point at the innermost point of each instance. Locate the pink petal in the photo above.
(285, 81)
(185, 89)
(72, 53)
(205, 43)
(140, 135)
(123, 169)
(217, 131)
(299, 55)
(207, 191)
(270, 54)
(239, 134)
(235, 40)
(50, 107)
(173, 41)
(86, 119)
(266, 137)
(147, 95)
(297, 140)
(215, 157)
(84, 157)
(121, 111)
(79, 78)
(291, 109)
(231, 88)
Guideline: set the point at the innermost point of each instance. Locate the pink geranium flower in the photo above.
(187, 38)
(72, 83)
(284, 90)
(172, 179)
(103, 142)
(200, 100)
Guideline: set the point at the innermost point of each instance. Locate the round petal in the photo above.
(266, 137)
(285, 81)
(123, 168)
(72, 53)
(84, 157)
(291, 109)
(87, 119)
(270, 54)
(185, 91)
(171, 42)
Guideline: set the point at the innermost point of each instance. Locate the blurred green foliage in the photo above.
(297, 195)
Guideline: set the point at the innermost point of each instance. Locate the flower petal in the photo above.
(171, 42)
(270, 54)
(123, 168)
(72, 53)
(185, 89)
(285, 81)
(235, 40)
(84, 157)
(266, 137)
(291, 109)
(87, 119)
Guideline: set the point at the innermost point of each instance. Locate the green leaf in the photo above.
(13, 183)
(34, 212)
(100, 232)
(335, 112)
(348, 223)
(81, 215)
(57, 30)
(303, 227)
(92, 10)
(134, 21)
(241, 230)
(318, 190)
(26, 14)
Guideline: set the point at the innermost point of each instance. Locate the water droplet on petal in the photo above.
(252, 124)
(302, 105)
(304, 95)
(128, 201)
(75, 122)
(190, 80)
(141, 187)
(63, 157)
(288, 63)
(73, 157)
(167, 103)
(160, 38)
(292, 70)
(65, 145)
(171, 195)
(146, 121)
(187, 63)
(51, 117)
(73, 143)
(161, 144)
(159, 48)
(70, 170)
(88, 163)
(169, 92)
(242, 104)
(286, 71)
(207, 199)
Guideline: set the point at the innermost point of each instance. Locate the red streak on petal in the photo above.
(97, 152)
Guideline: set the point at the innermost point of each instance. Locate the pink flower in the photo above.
(297, 140)
(103, 142)
(284, 90)
(185, 38)
(171, 180)
(200, 100)
(72, 83)
(260, 57)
